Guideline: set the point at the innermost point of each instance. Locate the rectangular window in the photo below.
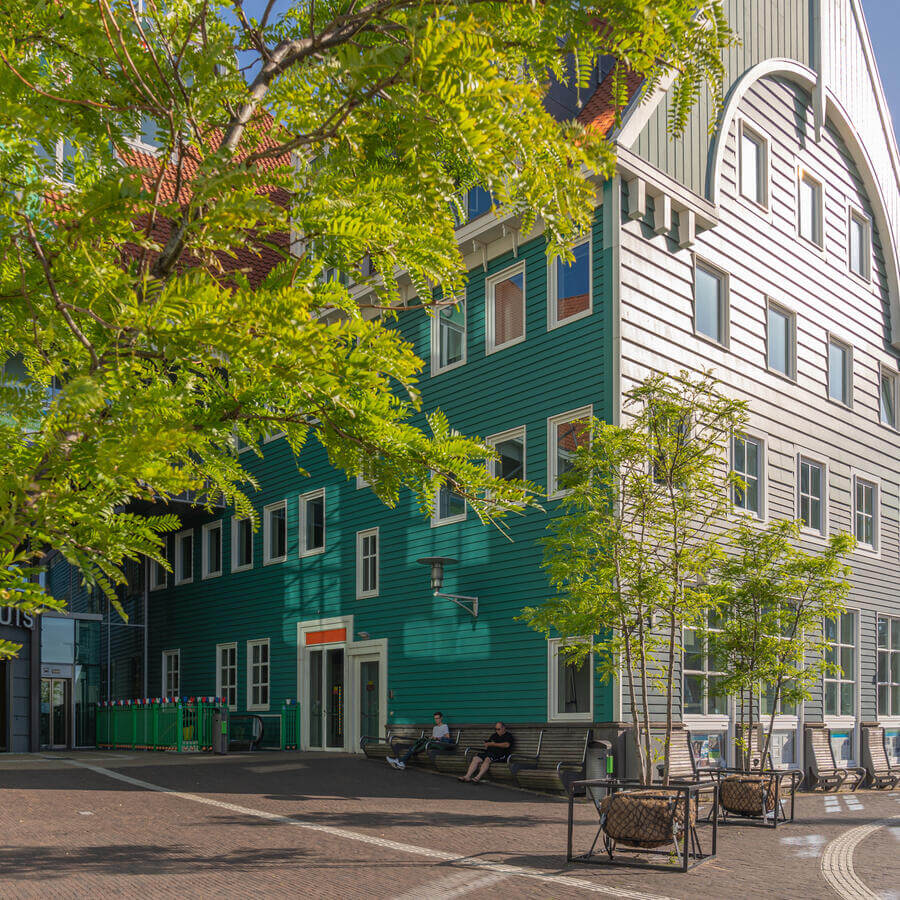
(478, 202)
(754, 162)
(888, 399)
(702, 674)
(158, 575)
(859, 240)
(747, 462)
(842, 748)
(780, 340)
(889, 666)
(212, 549)
(865, 513)
(710, 303)
(809, 218)
(510, 447)
(275, 532)
(312, 522)
(570, 687)
(258, 674)
(811, 494)
(840, 651)
(184, 557)
(226, 674)
(171, 673)
(367, 563)
(449, 506)
(839, 371)
(241, 544)
(448, 337)
(505, 308)
(569, 286)
(565, 435)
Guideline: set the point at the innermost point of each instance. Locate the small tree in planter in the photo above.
(636, 537)
(772, 598)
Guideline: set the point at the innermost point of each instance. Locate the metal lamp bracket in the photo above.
(469, 604)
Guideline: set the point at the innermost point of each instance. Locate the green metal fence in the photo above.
(183, 724)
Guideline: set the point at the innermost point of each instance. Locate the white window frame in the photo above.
(553, 714)
(833, 339)
(706, 716)
(892, 717)
(553, 321)
(844, 720)
(490, 283)
(235, 534)
(303, 500)
(180, 577)
(251, 706)
(875, 484)
(885, 373)
(791, 316)
(755, 135)
(436, 520)
(509, 434)
(815, 461)
(724, 300)
(360, 535)
(156, 570)
(267, 528)
(583, 412)
(855, 213)
(436, 367)
(762, 513)
(204, 552)
(220, 684)
(361, 483)
(166, 656)
(804, 174)
(59, 158)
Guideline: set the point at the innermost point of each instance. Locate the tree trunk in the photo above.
(670, 683)
(632, 698)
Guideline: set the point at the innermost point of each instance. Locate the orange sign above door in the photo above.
(328, 636)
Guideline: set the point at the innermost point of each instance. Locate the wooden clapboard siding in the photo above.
(764, 257)
(438, 656)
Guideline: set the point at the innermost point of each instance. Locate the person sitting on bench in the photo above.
(497, 748)
(440, 734)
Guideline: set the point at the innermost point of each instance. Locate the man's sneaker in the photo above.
(393, 761)
(400, 764)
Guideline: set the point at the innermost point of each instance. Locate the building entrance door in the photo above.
(326, 698)
(368, 697)
(56, 704)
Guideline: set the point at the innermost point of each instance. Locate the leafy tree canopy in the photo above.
(173, 299)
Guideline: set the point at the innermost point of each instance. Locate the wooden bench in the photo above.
(525, 755)
(457, 762)
(381, 748)
(881, 773)
(823, 770)
(561, 760)
(682, 763)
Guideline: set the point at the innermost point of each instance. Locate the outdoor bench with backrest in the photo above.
(525, 754)
(824, 771)
(456, 762)
(562, 759)
(380, 748)
(881, 773)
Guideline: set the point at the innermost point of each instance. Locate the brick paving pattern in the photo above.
(67, 831)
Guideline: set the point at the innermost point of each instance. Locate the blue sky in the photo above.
(883, 17)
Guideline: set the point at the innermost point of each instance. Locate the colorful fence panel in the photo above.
(290, 725)
(182, 724)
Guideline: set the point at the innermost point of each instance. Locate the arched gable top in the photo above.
(838, 119)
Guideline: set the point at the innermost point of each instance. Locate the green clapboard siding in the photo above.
(438, 656)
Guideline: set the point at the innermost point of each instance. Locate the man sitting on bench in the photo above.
(440, 734)
(497, 748)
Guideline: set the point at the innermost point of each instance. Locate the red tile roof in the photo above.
(599, 113)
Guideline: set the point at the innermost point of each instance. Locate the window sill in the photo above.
(256, 708)
(159, 587)
(274, 561)
(437, 523)
(790, 379)
(489, 350)
(366, 596)
(209, 575)
(713, 342)
(179, 583)
(571, 717)
(247, 568)
(553, 324)
(317, 551)
(435, 371)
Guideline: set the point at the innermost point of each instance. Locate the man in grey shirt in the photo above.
(440, 736)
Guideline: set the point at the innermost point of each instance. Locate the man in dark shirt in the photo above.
(497, 748)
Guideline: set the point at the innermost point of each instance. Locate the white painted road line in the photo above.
(807, 846)
(503, 869)
(837, 862)
(456, 885)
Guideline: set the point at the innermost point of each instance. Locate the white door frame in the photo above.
(357, 653)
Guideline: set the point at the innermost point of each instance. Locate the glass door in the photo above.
(315, 699)
(55, 703)
(335, 699)
(369, 698)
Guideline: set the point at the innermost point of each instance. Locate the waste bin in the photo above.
(220, 731)
(600, 759)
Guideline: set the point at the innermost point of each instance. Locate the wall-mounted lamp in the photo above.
(437, 563)
(363, 635)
